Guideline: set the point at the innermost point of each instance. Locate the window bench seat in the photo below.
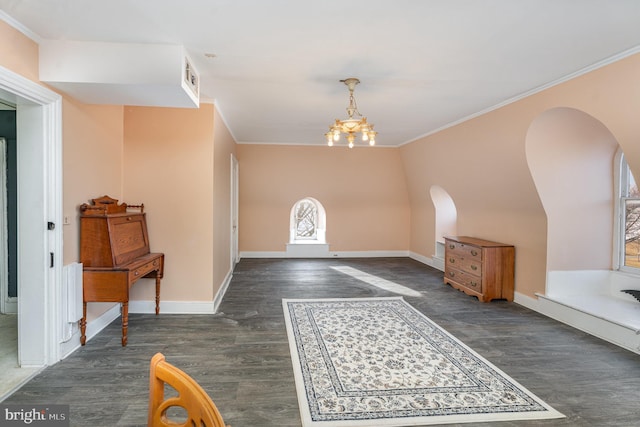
(592, 301)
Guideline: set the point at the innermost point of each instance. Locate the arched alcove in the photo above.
(570, 156)
(446, 217)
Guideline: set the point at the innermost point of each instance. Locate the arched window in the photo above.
(307, 223)
(628, 218)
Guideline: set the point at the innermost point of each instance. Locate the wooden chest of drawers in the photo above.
(480, 267)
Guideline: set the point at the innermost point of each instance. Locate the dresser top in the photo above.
(476, 242)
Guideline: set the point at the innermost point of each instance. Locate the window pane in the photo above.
(306, 215)
(632, 191)
(632, 233)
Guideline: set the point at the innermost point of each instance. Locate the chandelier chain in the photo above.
(353, 107)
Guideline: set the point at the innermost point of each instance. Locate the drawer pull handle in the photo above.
(155, 263)
(137, 273)
(474, 253)
(451, 246)
(451, 273)
(128, 218)
(452, 260)
(474, 267)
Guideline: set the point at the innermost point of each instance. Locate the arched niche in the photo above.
(570, 157)
(446, 217)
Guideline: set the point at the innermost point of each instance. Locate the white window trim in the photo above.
(620, 182)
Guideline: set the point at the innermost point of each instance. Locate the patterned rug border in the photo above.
(305, 413)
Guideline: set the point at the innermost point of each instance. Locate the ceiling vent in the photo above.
(191, 79)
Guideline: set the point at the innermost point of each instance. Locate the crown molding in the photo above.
(610, 60)
(20, 27)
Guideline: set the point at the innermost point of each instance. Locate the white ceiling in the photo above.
(423, 64)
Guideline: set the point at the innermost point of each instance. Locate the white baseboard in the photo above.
(11, 305)
(526, 301)
(330, 254)
(217, 299)
(139, 307)
(263, 254)
(68, 347)
(426, 260)
(93, 328)
(369, 254)
(172, 307)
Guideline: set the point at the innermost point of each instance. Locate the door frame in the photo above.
(39, 168)
(235, 191)
(6, 306)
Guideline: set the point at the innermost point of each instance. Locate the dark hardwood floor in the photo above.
(241, 355)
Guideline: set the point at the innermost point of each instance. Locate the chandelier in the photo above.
(351, 126)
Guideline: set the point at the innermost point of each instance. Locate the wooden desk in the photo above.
(114, 251)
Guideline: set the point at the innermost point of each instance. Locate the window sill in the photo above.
(307, 242)
(312, 249)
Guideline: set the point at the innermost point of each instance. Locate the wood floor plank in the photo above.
(241, 355)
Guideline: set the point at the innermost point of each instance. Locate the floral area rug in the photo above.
(380, 362)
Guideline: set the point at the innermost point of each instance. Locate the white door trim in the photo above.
(234, 211)
(39, 167)
(4, 264)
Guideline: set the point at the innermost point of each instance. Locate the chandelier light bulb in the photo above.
(329, 137)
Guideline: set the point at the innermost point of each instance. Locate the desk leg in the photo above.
(157, 296)
(125, 322)
(83, 324)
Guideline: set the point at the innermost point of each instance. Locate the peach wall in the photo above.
(362, 190)
(482, 164)
(92, 167)
(17, 52)
(92, 162)
(224, 147)
(168, 166)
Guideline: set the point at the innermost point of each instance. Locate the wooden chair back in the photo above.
(194, 401)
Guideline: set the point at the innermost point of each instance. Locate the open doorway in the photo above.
(39, 206)
(8, 209)
(10, 373)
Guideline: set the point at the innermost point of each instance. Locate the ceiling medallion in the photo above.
(351, 126)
